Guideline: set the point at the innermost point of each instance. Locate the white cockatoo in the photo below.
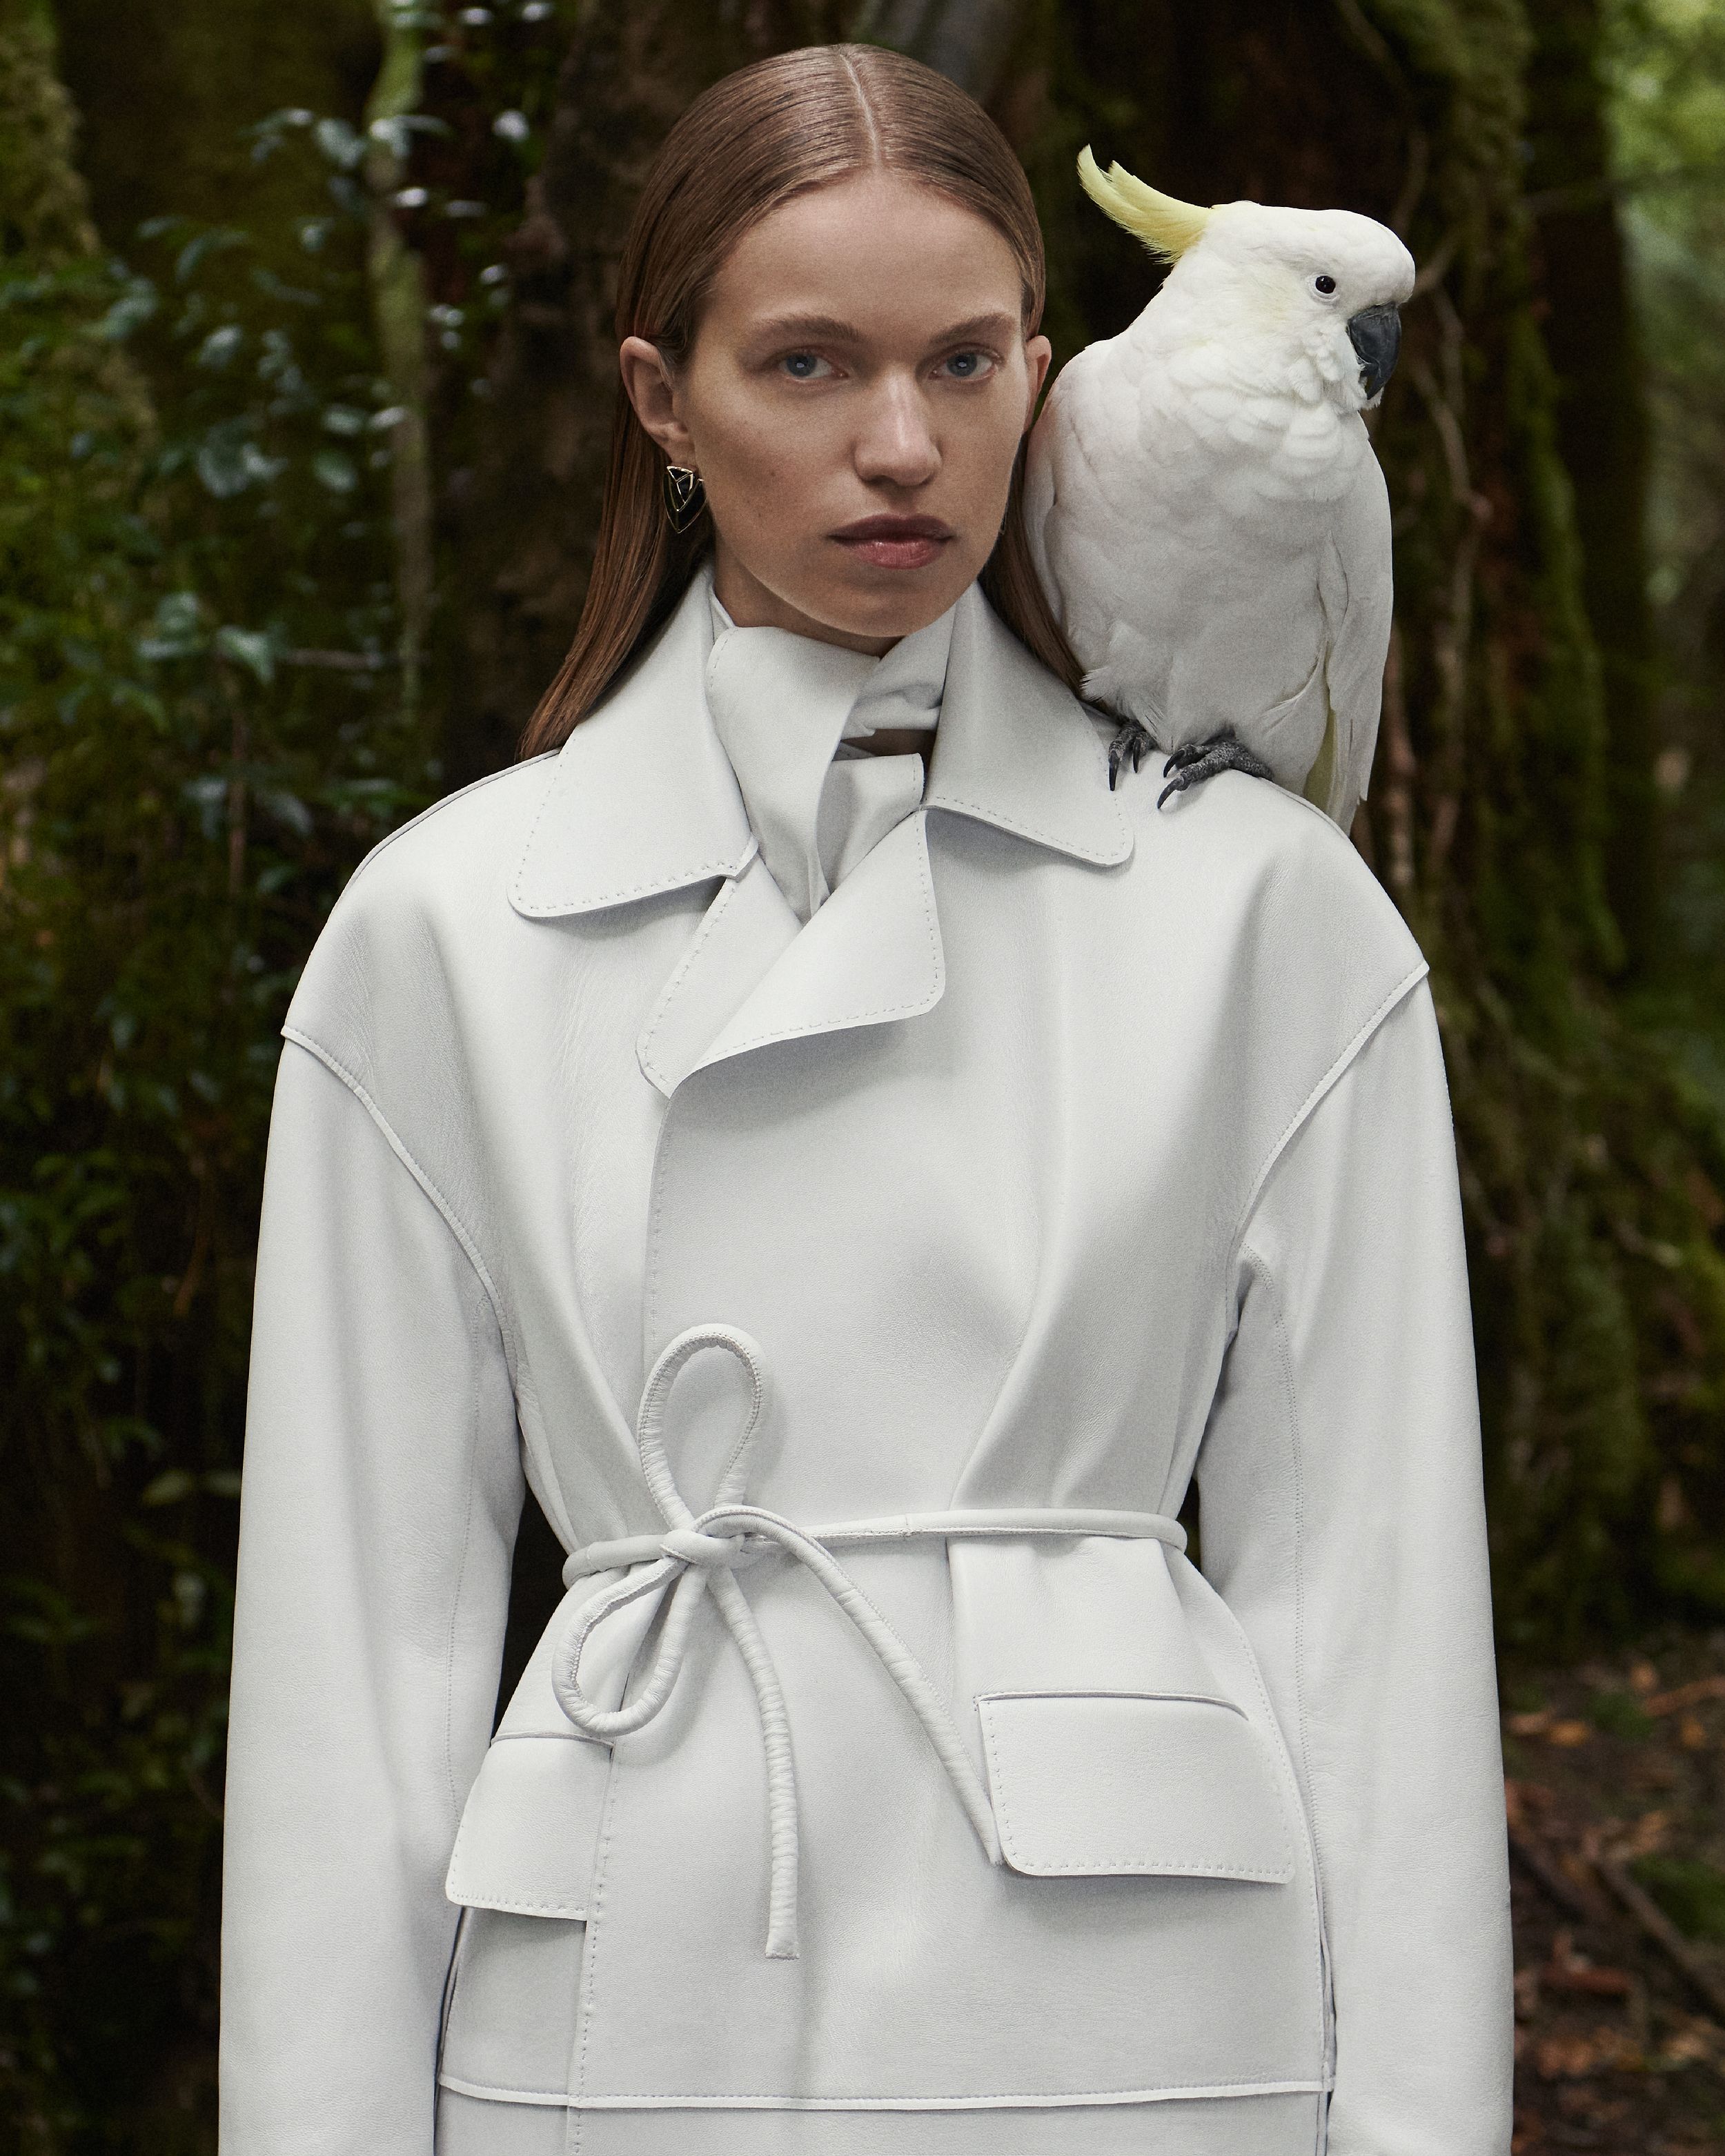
(1202, 504)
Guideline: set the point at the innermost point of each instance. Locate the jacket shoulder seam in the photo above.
(437, 807)
(452, 1220)
(1402, 988)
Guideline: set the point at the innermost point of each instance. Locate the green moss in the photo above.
(1692, 1894)
(1619, 1714)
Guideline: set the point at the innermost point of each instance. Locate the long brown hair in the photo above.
(798, 120)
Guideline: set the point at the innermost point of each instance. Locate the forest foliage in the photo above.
(305, 379)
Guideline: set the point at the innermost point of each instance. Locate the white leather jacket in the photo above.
(1070, 1151)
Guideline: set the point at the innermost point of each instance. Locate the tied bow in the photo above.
(699, 1556)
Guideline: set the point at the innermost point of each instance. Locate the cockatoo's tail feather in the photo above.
(1166, 227)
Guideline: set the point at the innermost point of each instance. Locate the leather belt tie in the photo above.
(698, 1556)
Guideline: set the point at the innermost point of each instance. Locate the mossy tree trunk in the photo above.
(396, 277)
(1587, 321)
(165, 90)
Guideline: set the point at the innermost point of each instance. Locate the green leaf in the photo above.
(228, 461)
(172, 1488)
(219, 346)
(339, 143)
(335, 471)
(130, 311)
(252, 648)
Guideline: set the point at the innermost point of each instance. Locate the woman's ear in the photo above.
(648, 383)
(1039, 354)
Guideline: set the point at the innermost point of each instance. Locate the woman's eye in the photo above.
(803, 366)
(1325, 284)
(969, 366)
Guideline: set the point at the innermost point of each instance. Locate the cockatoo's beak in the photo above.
(1376, 335)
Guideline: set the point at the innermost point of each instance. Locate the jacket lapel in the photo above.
(871, 954)
(748, 926)
(642, 801)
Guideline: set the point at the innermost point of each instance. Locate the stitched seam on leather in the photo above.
(1260, 1268)
(709, 922)
(437, 809)
(1296, 1454)
(473, 1444)
(1158, 1867)
(451, 1982)
(605, 898)
(996, 2100)
(922, 1003)
(663, 1146)
(548, 1737)
(495, 2092)
(522, 905)
(1201, 1867)
(577, 2079)
(827, 1025)
(530, 1908)
(697, 872)
(993, 816)
(339, 1069)
(1402, 988)
(1179, 1698)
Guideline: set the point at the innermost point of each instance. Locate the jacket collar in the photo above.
(642, 799)
(1016, 750)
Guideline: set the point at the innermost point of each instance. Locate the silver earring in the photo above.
(684, 496)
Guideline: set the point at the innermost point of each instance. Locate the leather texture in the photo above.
(1110, 1784)
(1253, 2126)
(1071, 1150)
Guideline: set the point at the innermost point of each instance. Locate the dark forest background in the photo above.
(306, 378)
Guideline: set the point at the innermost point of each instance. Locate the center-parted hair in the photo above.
(799, 120)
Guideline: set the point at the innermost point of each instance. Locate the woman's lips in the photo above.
(896, 542)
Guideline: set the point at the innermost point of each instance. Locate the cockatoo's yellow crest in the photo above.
(1166, 227)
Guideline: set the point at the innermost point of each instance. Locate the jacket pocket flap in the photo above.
(530, 1830)
(1116, 1782)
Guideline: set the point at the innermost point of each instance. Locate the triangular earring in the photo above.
(684, 496)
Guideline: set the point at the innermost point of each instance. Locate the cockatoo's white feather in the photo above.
(1204, 507)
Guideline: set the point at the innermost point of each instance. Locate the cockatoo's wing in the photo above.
(1356, 584)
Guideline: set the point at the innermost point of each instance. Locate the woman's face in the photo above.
(853, 402)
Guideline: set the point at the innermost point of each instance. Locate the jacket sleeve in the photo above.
(381, 1493)
(1342, 1521)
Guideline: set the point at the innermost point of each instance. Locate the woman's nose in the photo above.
(897, 445)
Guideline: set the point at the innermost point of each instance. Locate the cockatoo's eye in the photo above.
(1325, 284)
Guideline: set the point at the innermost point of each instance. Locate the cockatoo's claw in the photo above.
(1195, 761)
(1130, 746)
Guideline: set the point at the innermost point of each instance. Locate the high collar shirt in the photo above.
(791, 712)
(892, 1780)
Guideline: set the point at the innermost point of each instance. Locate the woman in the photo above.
(953, 1159)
